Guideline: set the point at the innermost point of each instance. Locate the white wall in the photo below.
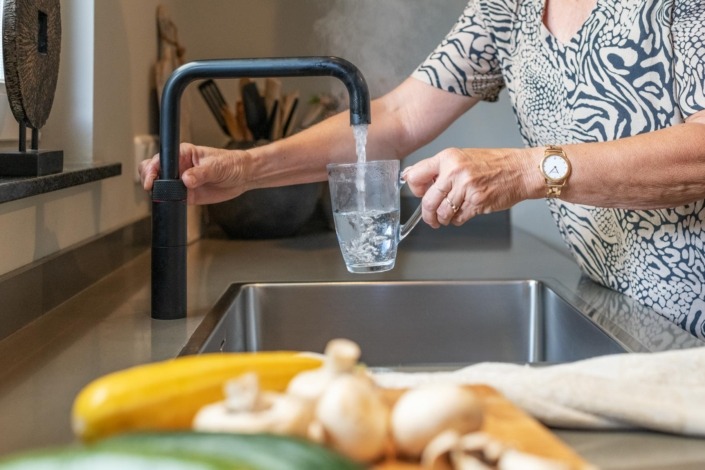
(70, 124)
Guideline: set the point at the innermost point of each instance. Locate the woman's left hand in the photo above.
(458, 184)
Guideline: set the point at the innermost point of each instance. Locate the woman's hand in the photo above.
(211, 175)
(458, 184)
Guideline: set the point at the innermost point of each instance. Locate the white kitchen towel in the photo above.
(662, 391)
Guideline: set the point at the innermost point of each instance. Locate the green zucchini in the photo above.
(257, 451)
(89, 458)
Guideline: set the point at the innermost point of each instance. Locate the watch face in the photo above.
(555, 167)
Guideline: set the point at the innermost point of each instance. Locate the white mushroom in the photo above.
(423, 413)
(451, 451)
(482, 446)
(353, 418)
(436, 455)
(246, 409)
(468, 462)
(341, 356)
(515, 460)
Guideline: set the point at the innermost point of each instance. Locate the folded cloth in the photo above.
(662, 391)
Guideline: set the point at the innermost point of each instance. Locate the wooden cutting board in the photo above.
(509, 424)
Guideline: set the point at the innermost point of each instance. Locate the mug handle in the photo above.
(406, 228)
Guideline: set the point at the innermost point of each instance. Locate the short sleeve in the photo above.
(466, 61)
(689, 50)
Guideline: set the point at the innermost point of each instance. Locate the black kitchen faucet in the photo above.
(169, 192)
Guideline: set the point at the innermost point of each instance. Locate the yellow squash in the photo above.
(167, 395)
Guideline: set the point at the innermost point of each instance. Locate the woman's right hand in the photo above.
(211, 175)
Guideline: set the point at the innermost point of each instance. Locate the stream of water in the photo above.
(360, 133)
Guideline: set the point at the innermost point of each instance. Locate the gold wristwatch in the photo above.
(555, 168)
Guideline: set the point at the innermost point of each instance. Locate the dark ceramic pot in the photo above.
(266, 213)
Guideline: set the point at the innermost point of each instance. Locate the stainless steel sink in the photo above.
(406, 324)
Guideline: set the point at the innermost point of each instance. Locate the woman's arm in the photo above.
(404, 119)
(664, 168)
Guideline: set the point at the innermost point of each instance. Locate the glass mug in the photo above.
(365, 199)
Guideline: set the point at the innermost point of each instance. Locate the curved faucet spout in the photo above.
(169, 193)
(259, 67)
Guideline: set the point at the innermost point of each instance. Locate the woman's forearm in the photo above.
(302, 157)
(403, 120)
(664, 168)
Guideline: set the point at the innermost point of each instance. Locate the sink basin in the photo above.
(406, 325)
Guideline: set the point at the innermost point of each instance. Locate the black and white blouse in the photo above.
(634, 66)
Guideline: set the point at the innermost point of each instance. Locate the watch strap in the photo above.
(553, 191)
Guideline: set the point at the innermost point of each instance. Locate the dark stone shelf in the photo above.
(19, 187)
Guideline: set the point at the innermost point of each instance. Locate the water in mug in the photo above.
(367, 239)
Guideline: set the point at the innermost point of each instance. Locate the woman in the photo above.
(610, 100)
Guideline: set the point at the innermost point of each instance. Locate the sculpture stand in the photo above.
(32, 162)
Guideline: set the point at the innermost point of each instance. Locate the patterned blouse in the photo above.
(635, 66)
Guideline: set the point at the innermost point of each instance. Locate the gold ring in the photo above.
(452, 206)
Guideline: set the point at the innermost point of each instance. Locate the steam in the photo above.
(386, 39)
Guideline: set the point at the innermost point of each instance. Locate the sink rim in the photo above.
(212, 318)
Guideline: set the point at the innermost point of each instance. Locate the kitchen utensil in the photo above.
(272, 92)
(255, 111)
(241, 122)
(289, 118)
(236, 133)
(242, 82)
(272, 119)
(216, 103)
(365, 199)
(273, 102)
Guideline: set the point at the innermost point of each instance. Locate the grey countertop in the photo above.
(108, 327)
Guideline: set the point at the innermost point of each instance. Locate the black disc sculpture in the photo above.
(31, 45)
